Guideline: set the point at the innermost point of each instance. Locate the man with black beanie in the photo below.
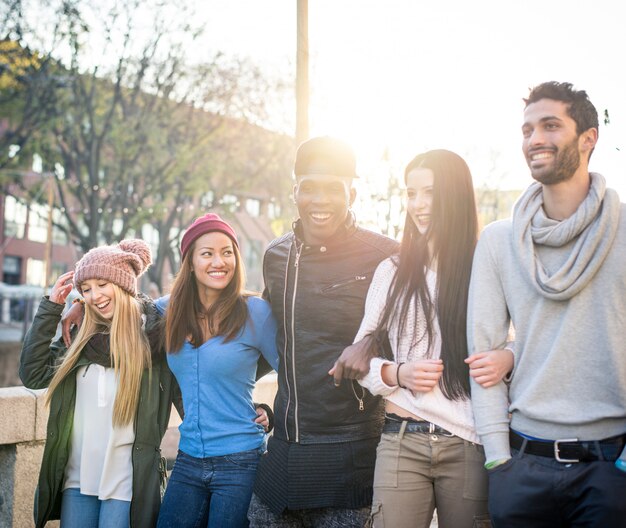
(319, 467)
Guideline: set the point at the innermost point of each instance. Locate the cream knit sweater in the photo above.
(433, 406)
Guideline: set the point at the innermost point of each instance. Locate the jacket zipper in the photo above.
(293, 342)
(341, 284)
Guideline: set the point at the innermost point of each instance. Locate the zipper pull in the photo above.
(298, 256)
(361, 405)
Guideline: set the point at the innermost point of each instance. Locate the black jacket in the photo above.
(318, 297)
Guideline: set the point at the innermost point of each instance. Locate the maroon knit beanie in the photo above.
(120, 264)
(202, 225)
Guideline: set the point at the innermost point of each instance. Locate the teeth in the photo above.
(217, 273)
(103, 305)
(321, 216)
(541, 155)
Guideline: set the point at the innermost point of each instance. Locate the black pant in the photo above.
(532, 491)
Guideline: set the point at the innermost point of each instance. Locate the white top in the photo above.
(432, 406)
(100, 461)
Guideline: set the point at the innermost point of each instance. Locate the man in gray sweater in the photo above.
(556, 271)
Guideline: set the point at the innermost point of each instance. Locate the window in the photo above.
(13, 150)
(253, 254)
(11, 269)
(14, 217)
(59, 236)
(229, 202)
(118, 225)
(38, 223)
(35, 271)
(57, 269)
(37, 163)
(206, 200)
(253, 207)
(273, 210)
(150, 235)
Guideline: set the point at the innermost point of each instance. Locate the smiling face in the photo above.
(213, 263)
(100, 296)
(323, 201)
(551, 145)
(419, 192)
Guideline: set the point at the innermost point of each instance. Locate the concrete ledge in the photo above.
(265, 389)
(18, 415)
(23, 415)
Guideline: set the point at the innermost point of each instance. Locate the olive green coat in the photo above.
(39, 357)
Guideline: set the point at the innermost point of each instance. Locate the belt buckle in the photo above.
(557, 454)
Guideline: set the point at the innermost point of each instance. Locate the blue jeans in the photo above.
(87, 511)
(212, 492)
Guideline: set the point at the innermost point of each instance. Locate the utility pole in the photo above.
(302, 73)
(48, 255)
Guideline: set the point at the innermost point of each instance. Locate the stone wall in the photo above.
(23, 418)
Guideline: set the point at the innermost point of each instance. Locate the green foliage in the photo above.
(132, 133)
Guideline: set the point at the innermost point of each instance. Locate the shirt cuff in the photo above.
(374, 379)
(496, 446)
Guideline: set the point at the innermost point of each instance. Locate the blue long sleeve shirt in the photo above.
(217, 379)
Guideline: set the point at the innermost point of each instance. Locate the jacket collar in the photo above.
(343, 231)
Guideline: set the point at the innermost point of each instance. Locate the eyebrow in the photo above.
(544, 119)
(229, 246)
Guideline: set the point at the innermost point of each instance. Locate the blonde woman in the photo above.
(109, 395)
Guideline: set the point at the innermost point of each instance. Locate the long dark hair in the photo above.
(185, 312)
(454, 231)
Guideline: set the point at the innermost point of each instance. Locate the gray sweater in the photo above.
(563, 287)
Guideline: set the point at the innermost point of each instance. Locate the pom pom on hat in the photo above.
(120, 264)
(139, 248)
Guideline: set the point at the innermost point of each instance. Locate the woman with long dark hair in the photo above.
(215, 333)
(429, 454)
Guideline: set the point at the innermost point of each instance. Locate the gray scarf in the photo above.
(594, 224)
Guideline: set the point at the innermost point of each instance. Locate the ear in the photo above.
(588, 139)
(352, 195)
(295, 190)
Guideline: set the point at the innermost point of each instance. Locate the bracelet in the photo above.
(398, 375)
(79, 300)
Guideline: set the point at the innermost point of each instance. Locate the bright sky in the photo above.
(411, 75)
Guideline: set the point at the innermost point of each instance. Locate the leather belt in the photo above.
(570, 450)
(393, 426)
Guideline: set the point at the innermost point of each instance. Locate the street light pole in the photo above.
(302, 73)
(48, 250)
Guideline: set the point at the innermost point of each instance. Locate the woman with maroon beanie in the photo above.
(215, 334)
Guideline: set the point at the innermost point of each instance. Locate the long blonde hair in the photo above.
(130, 352)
